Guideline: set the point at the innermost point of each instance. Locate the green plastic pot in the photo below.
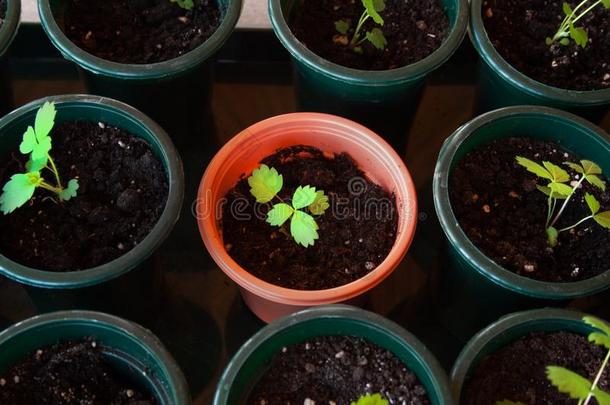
(250, 362)
(384, 101)
(8, 31)
(477, 290)
(176, 93)
(505, 331)
(134, 352)
(502, 85)
(98, 109)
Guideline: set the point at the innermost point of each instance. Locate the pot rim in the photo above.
(163, 227)
(526, 84)
(470, 352)
(370, 77)
(136, 332)
(425, 356)
(10, 26)
(457, 237)
(308, 297)
(159, 70)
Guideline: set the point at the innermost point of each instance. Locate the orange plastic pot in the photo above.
(330, 134)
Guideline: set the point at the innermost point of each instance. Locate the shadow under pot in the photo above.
(524, 357)
(90, 355)
(306, 209)
(339, 71)
(155, 55)
(10, 11)
(92, 187)
(512, 245)
(518, 67)
(359, 346)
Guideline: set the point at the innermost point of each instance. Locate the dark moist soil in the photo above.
(518, 30)
(139, 31)
(517, 372)
(413, 31)
(499, 207)
(122, 193)
(352, 243)
(68, 373)
(336, 369)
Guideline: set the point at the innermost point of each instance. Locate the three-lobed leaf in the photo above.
(342, 26)
(320, 204)
(376, 37)
(18, 190)
(303, 228)
(371, 399)
(265, 183)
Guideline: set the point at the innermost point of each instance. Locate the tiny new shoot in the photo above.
(559, 194)
(185, 4)
(265, 184)
(568, 28)
(375, 36)
(577, 386)
(371, 399)
(37, 143)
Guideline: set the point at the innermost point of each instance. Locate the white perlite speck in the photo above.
(2, 382)
(339, 354)
(309, 402)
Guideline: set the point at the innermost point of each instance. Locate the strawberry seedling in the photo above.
(568, 28)
(372, 8)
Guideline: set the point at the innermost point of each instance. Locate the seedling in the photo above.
(371, 399)
(577, 386)
(568, 28)
(372, 8)
(265, 183)
(37, 143)
(557, 190)
(185, 4)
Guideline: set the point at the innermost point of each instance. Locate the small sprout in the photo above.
(557, 190)
(185, 4)
(265, 183)
(372, 8)
(37, 143)
(568, 29)
(371, 399)
(575, 385)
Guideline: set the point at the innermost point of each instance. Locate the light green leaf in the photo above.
(265, 183)
(303, 196)
(606, 3)
(371, 7)
(596, 181)
(592, 203)
(376, 37)
(576, 167)
(561, 189)
(279, 214)
(37, 140)
(603, 218)
(568, 382)
(371, 399)
(36, 165)
(600, 339)
(28, 142)
(507, 402)
(45, 119)
(18, 190)
(564, 41)
(548, 40)
(552, 235)
(185, 4)
(567, 10)
(559, 175)
(548, 192)
(579, 35)
(603, 398)
(342, 26)
(70, 191)
(591, 167)
(534, 167)
(303, 228)
(597, 324)
(320, 204)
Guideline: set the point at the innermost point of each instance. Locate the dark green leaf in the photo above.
(342, 26)
(375, 37)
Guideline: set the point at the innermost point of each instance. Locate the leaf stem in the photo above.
(597, 378)
(586, 11)
(365, 16)
(51, 188)
(565, 203)
(576, 224)
(55, 172)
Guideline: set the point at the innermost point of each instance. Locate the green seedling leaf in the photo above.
(603, 218)
(36, 165)
(18, 190)
(559, 175)
(507, 402)
(265, 183)
(303, 197)
(552, 235)
(590, 167)
(592, 203)
(372, 7)
(342, 26)
(576, 167)
(320, 204)
(279, 214)
(561, 189)
(376, 37)
(45, 119)
(596, 181)
(371, 399)
(600, 339)
(548, 40)
(185, 4)
(606, 3)
(534, 167)
(568, 382)
(603, 398)
(579, 35)
(70, 191)
(303, 228)
(564, 41)
(567, 10)
(37, 140)
(548, 192)
(597, 324)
